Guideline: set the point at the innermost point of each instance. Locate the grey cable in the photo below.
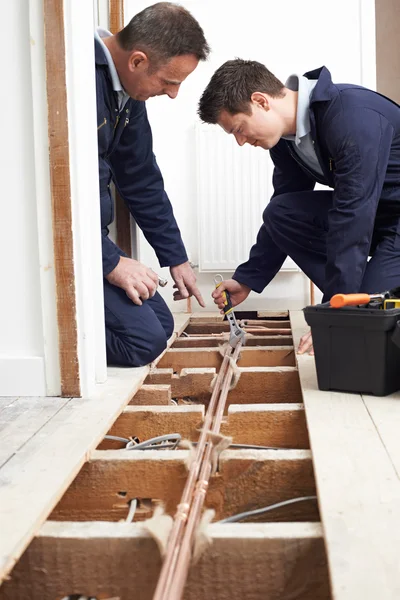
(155, 443)
(116, 438)
(176, 438)
(261, 511)
(172, 440)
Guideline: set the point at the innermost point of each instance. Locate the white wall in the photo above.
(21, 337)
(288, 36)
(29, 350)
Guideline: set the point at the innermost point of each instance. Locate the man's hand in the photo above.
(306, 345)
(238, 292)
(185, 283)
(138, 281)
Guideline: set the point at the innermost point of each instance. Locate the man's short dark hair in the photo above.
(232, 85)
(163, 31)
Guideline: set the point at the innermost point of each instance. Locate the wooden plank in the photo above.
(209, 316)
(60, 188)
(122, 214)
(256, 384)
(215, 341)
(246, 479)
(104, 560)
(214, 328)
(280, 425)
(144, 424)
(178, 358)
(152, 395)
(6, 401)
(51, 459)
(385, 413)
(268, 314)
(23, 419)
(358, 487)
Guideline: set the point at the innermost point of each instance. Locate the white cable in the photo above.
(132, 510)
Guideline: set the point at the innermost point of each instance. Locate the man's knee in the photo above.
(133, 350)
(168, 324)
(144, 351)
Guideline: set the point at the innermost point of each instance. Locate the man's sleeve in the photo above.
(359, 142)
(111, 254)
(265, 257)
(140, 183)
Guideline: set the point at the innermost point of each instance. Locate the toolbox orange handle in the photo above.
(340, 300)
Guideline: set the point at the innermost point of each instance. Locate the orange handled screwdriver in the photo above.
(340, 300)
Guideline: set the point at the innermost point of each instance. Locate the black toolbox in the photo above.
(356, 349)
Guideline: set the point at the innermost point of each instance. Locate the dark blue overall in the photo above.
(331, 234)
(135, 335)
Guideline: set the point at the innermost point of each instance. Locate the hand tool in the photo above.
(236, 332)
(386, 300)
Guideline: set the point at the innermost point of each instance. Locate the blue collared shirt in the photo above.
(123, 97)
(302, 142)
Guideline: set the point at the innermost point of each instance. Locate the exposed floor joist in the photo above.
(354, 457)
(48, 461)
(281, 425)
(272, 561)
(110, 479)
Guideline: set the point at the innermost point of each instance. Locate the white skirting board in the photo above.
(22, 376)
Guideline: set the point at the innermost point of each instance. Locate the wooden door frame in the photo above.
(65, 58)
(122, 214)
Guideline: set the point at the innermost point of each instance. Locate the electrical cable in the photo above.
(172, 440)
(175, 438)
(261, 511)
(132, 510)
(116, 438)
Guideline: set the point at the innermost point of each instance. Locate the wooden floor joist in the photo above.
(46, 462)
(353, 466)
(179, 358)
(271, 561)
(206, 341)
(261, 384)
(107, 483)
(281, 425)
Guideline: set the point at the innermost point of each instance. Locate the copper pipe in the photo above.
(312, 293)
(174, 540)
(268, 330)
(179, 578)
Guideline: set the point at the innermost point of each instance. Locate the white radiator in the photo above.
(234, 185)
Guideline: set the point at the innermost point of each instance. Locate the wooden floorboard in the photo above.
(47, 460)
(22, 419)
(356, 464)
(385, 413)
